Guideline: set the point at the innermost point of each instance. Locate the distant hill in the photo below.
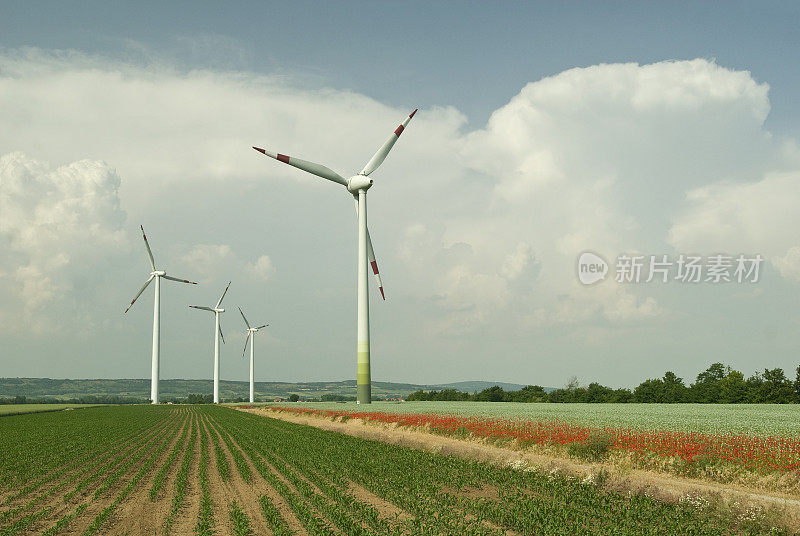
(140, 388)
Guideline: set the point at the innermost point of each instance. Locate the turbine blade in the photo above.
(140, 292)
(202, 308)
(374, 264)
(221, 335)
(245, 344)
(265, 325)
(149, 253)
(378, 158)
(371, 258)
(223, 295)
(245, 319)
(178, 280)
(315, 169)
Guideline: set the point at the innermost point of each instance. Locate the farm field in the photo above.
(666, 442)
(214, 470)
(769, 419)
(18, 409)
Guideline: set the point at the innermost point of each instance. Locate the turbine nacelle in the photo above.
(358, 182)
(159, 273)
(219, 310)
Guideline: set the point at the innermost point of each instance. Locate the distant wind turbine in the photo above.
(357, 185)
(251, 334)
(217, 334)
(157, 275)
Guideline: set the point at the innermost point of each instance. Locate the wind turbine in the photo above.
(157, 275)
(251, 333)
(357, 185)
(217, 334)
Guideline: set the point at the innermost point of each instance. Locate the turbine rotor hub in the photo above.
(219, 310)
(158, 273)
(358, 182)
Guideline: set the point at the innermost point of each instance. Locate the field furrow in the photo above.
(235, 488)
(77, 514)
(88, 471)
(186, 494)
(137, 513)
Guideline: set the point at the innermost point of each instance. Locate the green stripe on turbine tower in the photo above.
(363, 381)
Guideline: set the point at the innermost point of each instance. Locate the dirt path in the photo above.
(186, 518)
(137, 514)
(664, 486)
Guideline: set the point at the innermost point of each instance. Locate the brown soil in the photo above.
(262, 487)
(137, 514)
(75, 472)
(186, 517)
(223, 493)
(386, 510)
(94, 505)
(663, 486)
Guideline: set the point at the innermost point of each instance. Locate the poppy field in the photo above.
(214, 470)
(756, 452)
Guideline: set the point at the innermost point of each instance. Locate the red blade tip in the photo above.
(382, 294)
(412, 113)
(260, 150)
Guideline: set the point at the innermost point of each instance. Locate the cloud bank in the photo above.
(477, 232)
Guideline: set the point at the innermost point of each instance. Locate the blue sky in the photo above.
(545, 129)
(473, 55)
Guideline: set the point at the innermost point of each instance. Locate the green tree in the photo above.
(622, 396)
(494, 393)
(707, 388)
(294, 397)
(649, 391)
(733, 388)
(598, 393)
(797, 385)
(778, 388)
(755, 391)
(674, 389)
(529, 393)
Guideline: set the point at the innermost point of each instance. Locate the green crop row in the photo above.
(324, 482)
(182, 479)
(205, 520)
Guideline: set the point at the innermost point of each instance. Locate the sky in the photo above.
(544, 130)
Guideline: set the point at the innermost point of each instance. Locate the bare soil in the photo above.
(262, 487)
(86, 497)
(72, 473)
(386, 510)
(137, 514)
(223, 493)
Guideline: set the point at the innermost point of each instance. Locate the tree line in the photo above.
(718, 384)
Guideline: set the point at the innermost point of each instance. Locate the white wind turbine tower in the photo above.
(157, 275)
(217, 334)
(357, 185)
(251, 333)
